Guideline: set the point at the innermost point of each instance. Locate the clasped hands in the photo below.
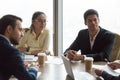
(72, 55)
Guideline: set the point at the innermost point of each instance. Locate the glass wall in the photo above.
(73, 21)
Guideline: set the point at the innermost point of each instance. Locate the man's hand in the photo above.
(114, 65)
(98, 72)
(72, 55)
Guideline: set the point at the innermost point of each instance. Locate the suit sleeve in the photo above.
(19, 70)
(75, 45)
(108, 76)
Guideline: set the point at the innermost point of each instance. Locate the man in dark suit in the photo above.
(93, 42)
(11, 63)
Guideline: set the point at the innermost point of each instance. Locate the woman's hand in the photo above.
(35, 52)
(22, 49)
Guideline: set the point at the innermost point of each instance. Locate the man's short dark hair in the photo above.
(8, 20)
(90, 12)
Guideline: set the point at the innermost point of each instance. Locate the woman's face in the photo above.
(40, 22)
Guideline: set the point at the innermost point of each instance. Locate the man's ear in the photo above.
(9, 29)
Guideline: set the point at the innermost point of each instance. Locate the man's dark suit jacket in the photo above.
(101, 48)
(11, 63)
(108, 76)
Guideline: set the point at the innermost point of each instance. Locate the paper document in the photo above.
(107, 69)
(30, 58)
(83, 76)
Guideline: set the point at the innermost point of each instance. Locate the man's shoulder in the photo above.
(83, 31)
(5, 47)
(3, 42)
(108, 32)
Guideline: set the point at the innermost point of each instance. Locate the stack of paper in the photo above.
(30, 58)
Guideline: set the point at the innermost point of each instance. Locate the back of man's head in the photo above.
(7, 20)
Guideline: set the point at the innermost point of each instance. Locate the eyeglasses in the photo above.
(40, 20)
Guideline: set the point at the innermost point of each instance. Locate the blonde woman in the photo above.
(36, 39)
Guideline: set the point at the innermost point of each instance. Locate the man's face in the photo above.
(92, 22)
(16, 33)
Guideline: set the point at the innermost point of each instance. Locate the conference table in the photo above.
(54, 69)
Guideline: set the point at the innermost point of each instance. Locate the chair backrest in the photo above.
(115, 53)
